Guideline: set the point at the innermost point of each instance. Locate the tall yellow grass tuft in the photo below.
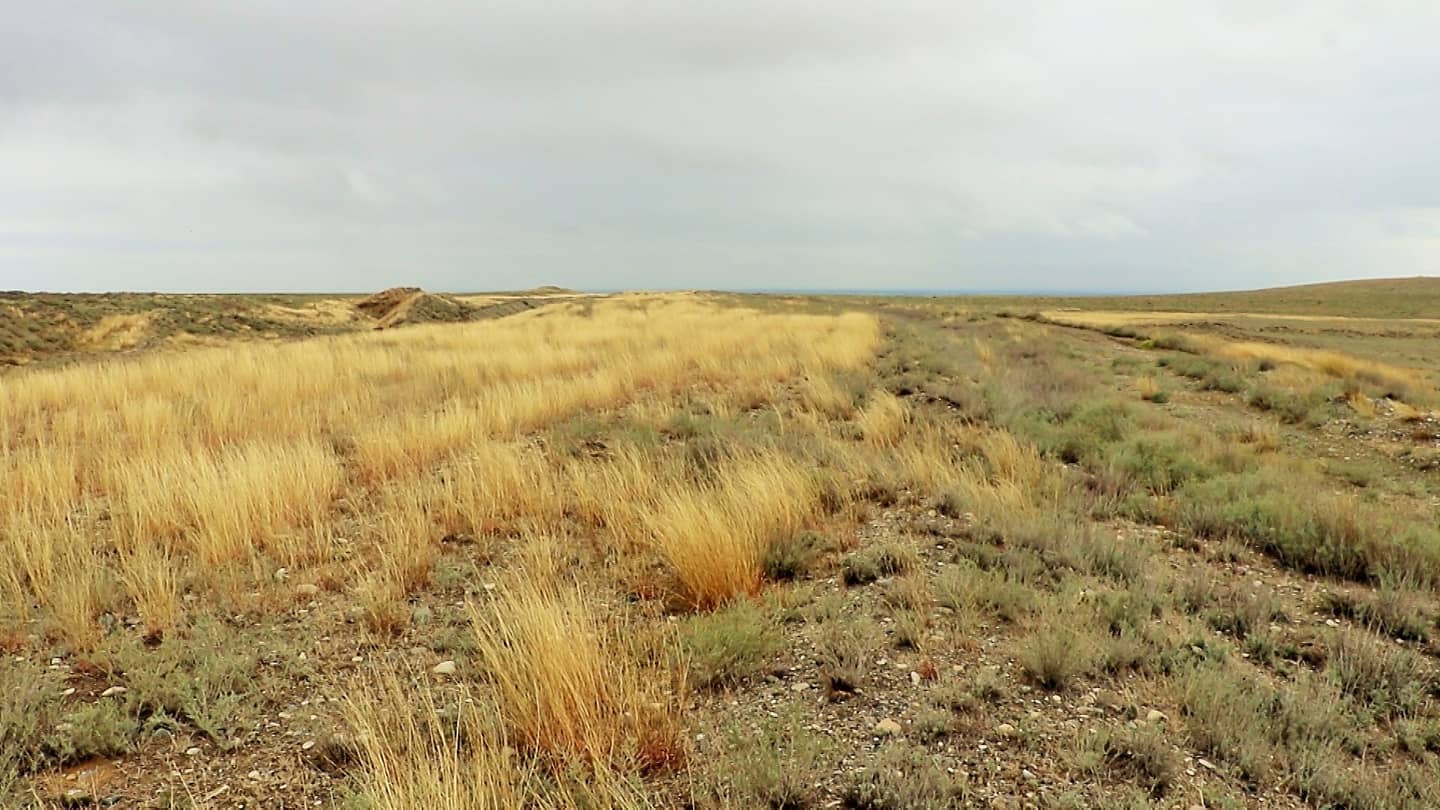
(568, 688)
(413, 758)
(824, 396)
(883, 419)
(715, 536)
(151, 579)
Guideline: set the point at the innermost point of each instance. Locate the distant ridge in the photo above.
(1412, 297)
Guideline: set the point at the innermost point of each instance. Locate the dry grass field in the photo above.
(713, 551)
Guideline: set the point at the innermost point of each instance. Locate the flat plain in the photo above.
(721, 551)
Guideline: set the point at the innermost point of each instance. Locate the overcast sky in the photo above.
(323, 145)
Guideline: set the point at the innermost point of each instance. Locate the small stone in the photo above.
(192, 751)
(1156, 716)
(1206, 764)
(444, 668)
(355, 659)
(800, 686)
(68, 692)
(307, 589)
(1005, 730)
(307, 745)
(254, 775)
(113, 691)
(888, 728)
(914, 678)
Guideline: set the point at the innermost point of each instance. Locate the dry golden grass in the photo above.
(414, 757)
(1409, 413)
(883, 419)
(166, 470)
(1264, 437)
(824, 396)
(715, 536)
(1147, 387)
(115, 332)
(1360, 404)
(570, 689)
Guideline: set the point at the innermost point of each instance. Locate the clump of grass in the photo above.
(724, 647)
(828, 397)
(1302, 525)
(1159, 465)
(1112, 556)
(789, 559)
(843, 653)
(778, 767)
(883, 560)
(716, 537)
(1292, 408)
(1393, 682)
(964, 588)
(151, 577)
(1149, 390)
(932, 725)
(1144, 755)
(1396, 610)
(1057, 654)
(904, 776)
(1243, 613)
(973, 696)
(410, 748)
(1264, 437)
(1226, 717)
(568, 688)
(883, 419)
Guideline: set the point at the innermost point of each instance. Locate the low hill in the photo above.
(1416, 297)
(399, 306)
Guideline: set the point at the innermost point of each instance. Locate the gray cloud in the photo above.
(819, 143)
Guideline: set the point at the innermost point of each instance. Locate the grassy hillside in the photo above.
(1417, 297)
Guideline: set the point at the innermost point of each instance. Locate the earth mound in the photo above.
(398, 306)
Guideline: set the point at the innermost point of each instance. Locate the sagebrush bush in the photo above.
(1057, 654)
(724, 647)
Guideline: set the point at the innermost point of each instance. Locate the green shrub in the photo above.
(1391, 681)
(1304, 528)
(964, 588)
(1223, 380)
(774, 766)
(1142, 755)
(1292, 408)
(99, 730)
(904, 777)
(1159, 465)
(1057, 654)
(868, 565)
(791, 558)
(724, 647)
(843, 655)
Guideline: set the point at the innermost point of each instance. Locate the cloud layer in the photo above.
(322, 145)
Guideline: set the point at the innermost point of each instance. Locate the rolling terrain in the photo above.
(722, 551)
